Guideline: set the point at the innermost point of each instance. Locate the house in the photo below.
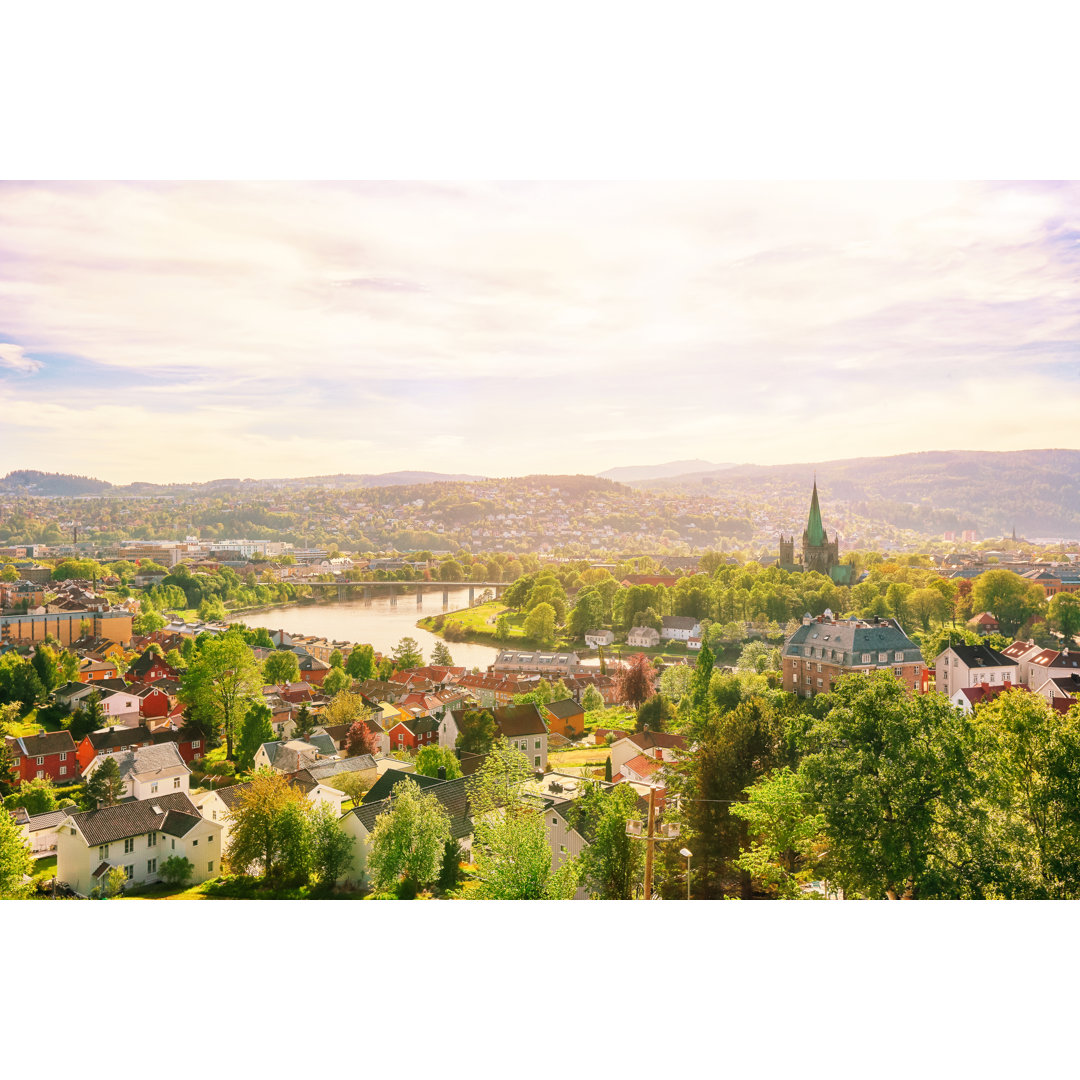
(313, 670)
(325, 772)
(600, 735)
(641, 769)
(643, 637)
(359, 822)
(566, 718)
(984, 623)
(97, 670)
(137, 836)
(550, 664)
(596, 639)
(1064, 688)
(150, 667)
(961, 666)
(111, 740)
(39, 830)
(679, 627)
(121, 706)
(658, 745)
(523, 726)
(385, 783)
(288, 757)
(47, 755)
(414, 733)
(1051, 664)
(1022, 652)
(154, 701)
(148, 771)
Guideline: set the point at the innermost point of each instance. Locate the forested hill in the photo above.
(1035, 491)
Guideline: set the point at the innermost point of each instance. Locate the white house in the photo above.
(148, 771)
(643, 637)
(598, 638)
(679, 627)
(39, 830)
(961, 666)
(137, 836)
(659, 745)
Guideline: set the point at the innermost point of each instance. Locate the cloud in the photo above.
(14, 358)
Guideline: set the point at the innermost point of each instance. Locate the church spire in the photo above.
(815, 531)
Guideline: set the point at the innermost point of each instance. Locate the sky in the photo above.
(188, 331)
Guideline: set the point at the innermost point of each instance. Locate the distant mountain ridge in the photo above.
(34, 482)
(629, 474)
(1035, 491)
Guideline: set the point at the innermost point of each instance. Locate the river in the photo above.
(376, 622)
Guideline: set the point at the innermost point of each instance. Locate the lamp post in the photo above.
(686, 853)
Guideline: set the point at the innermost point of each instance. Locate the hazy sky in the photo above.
(194, 330)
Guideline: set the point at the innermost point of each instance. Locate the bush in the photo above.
(406, 889)
(176, 870)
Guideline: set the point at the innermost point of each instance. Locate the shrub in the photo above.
(176, 870)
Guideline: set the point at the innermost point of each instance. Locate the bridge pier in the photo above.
(446, 598)
(341, 592)
(472, 595)
(419, 597)
(393, 599)
(367, 595)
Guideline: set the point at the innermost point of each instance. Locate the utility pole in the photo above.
(649, 841)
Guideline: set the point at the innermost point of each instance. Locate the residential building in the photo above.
(596, 639)
(643, 637)
(961, 666)
(566, 718)
(148, 771)
(47, 755)
(679, 627)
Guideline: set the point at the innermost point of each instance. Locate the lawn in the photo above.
(44, 869)
(590, 755)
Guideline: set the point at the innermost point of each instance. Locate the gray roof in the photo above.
(382, 787)
(175, 814)
(679, 622)
(452, 794)
(321, 770)
(982, 656)
(846, 642)
(146, 760)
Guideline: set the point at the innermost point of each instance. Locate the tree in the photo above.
(330, 846)
(540, 625)
(361, 740)
(756, 656)
(450, 871)
(106, 787)
(786, 836)
(91, 717)
(409, 839)
(431, 758)
(344, 708)
(451, 570)
(336, 680)
(1012, 599)
(703, 670)
(176, 870)
(361, 663)
(635, 680)
(440, 655)
(221, 682)
(890, 774)
(16, 862)
(336, 659)
(476, 731)
(675, 681)
(1063, 611)
(510, 844)
(281, 666)
(115, 880)
(592, 699)
(267, 832)
(407, 654)
(45, 664)
(255, 729)
(654, 714)
(35, 796)
(612, 863)
(586, 614)
(353, 784)
(148, 620)
(502, 628)
(303, 723)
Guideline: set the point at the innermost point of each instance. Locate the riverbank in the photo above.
(476, 625)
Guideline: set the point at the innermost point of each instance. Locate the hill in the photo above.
(627, 474)
(1035, 491)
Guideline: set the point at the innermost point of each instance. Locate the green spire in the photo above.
(815, 531)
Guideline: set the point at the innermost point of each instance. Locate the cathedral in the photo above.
(818, 552)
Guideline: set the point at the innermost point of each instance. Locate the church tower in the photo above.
(819, 552)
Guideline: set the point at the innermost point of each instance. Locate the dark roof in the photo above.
(845, 641)
(452, 794)
(384, 785)
(679, 622)
(646, 740)
(982, 656)
(515, 720)
(326, 770)
(564, 709)
(111, 737)
(175, 814)
(44, 743)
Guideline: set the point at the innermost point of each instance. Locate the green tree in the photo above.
(409, 839)
(115, 881)
(281, 666)
(786, 836)
(35, 796)
(592, 699)
(361, 663)
(407, 654)
(176, 870)
(703, 670)
(613, 863)
(1012, 599)
(476, 731)
(45, 664)
(502, 628)
(106, 787)
(336, 680)
(654, 714)
(1063, 611)
(336, 659)
(676, 680)
(330, 846)
(429, 759)
(16, 863)
(540, 625)
(265, 837)
(255, 729)
(303, 723)
(219, 685)
(451, 570)
(440, 655)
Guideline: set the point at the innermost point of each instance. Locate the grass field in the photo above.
(592, 755)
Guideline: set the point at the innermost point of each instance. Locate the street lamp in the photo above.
(686, 853)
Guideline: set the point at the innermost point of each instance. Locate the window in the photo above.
(194, 843)
(103, 852)
(882, 657)
(819, 682)
(537, 746)
(129, 872)
(562, 849)
(63, 756)
(176, 781)
(806, 651)
(151, 866)
(819, 671)
(41, 774)
(129, 845)
(39, 761)
(215, 815)
(536, 760)
(195, 744)
(866, 658)
(807, 680)
(210, 838)
(917, 669)
(151, 839)
(898, 657)
(554, 821)
(15, 761)
(153, 788)
(898, 672)
(210, 866)
(63, 770)
(174, 845)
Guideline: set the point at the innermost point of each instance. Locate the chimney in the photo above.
(442, 772)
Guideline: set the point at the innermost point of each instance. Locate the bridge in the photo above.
(342, 588)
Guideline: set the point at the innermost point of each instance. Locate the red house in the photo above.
(149, 668)
(49, 754)
(313, 670)
(115, 740)
(153, 701)
(414, 734)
